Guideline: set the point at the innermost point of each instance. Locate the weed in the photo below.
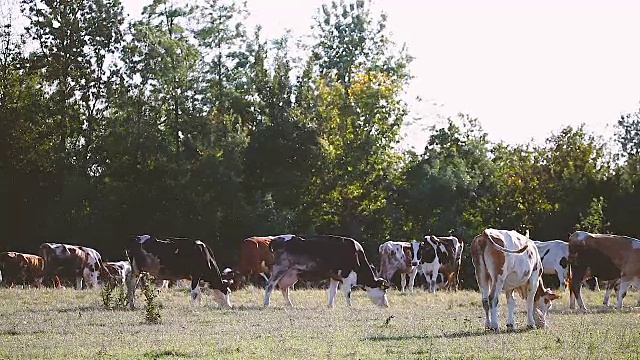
(152, 308)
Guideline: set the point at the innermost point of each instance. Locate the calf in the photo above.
(118, 272)
(506, 261)
(395, 256)
(340, 259)
(554, 255)
(176, 259)
(609, 257)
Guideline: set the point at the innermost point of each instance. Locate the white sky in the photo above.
(525, 69)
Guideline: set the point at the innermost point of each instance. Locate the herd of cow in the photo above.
(504, 261)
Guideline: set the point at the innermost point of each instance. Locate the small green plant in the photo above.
(113, 300)
(152, 308)
(106, 294)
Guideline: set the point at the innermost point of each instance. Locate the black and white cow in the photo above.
(339, 259)
(436, 255)
(555, 255)
(176, 259)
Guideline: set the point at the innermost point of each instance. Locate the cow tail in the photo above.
(503, 249)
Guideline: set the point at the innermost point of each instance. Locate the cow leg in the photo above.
(412, 277)
(333, 289)
(347, 284)
(574, 288)
(403, 281)
(271, 284)
(131, 281)
(494, 295)
(561, 277)
(622, 291)
(482, 279)
(531, 296)
(78, 282)
(511, 304)
(196, 293)
(264, 276)
(607, 292)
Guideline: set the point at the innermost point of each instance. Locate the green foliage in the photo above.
(593, 220)
(152, 307)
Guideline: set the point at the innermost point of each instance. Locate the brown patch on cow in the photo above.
(498, 257)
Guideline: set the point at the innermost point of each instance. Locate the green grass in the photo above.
(70, 324)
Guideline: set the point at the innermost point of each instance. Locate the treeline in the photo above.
(187, 123)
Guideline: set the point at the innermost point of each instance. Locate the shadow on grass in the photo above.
(450, 335)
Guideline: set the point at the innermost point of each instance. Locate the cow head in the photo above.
(378, 292)
(543, 302)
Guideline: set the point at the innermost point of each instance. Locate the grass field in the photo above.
(70, 324)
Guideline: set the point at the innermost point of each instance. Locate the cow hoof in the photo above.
(531, 327)
(491, 328)
(509, 327)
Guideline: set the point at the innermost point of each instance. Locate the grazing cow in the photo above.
(256, 257)
(176, 259)
(396, 256)
(609, 257)
(79, 262)
(506, 261)
(22, 268)
(118, 272)
(554, 255)
(340, 259)
(438, 254)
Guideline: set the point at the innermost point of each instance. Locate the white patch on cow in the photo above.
(414, 247)
(143, 238)
(177, 250)
(198, 242)
(378, 296)
(226, 271)
(285, 237)
(635, 244)
(581, 236)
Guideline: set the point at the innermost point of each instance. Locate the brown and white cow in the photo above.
(176, 259)
(609, 257)
(339, 259)
(22, 268)
(506, 261)
(438, 255)
(79, 262)
(118, 272)
(395, 256)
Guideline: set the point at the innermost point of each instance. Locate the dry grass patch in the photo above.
(70, 324)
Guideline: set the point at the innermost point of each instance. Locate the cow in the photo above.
(22, 268)
(438, 254)
(256, 257)
(395, 256)
(118, 272)
(506, 261)
(10, 268)
(176, 259)
(79, 262)
(609, 257)
(554, 255)
(340, 259)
